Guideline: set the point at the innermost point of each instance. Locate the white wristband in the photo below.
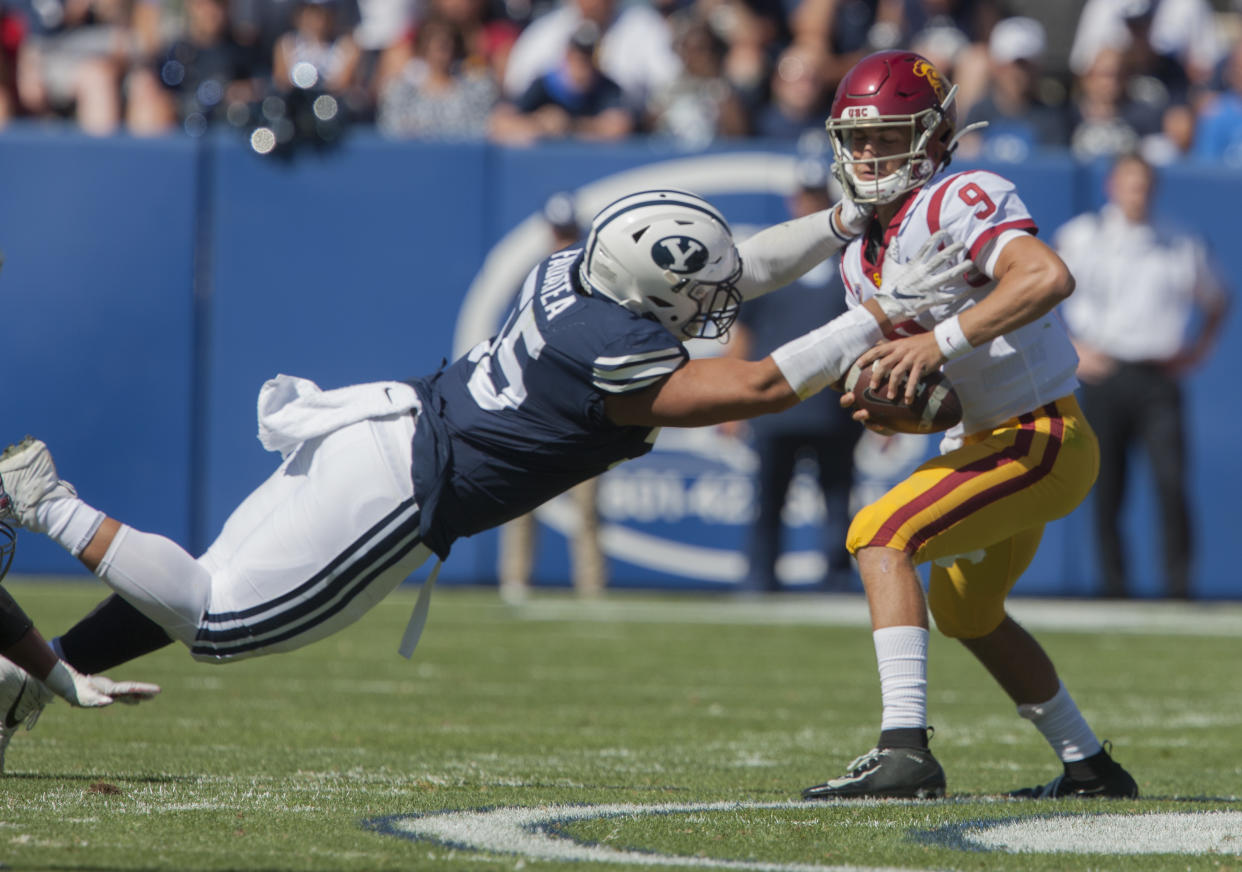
(60, 681)
(817, 359)
(950, 338)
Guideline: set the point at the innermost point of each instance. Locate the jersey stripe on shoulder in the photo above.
(937, 200)
(630, 372)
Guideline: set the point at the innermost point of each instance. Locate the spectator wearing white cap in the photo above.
(1018, 121)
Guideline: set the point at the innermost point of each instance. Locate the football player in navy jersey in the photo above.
(377, 477)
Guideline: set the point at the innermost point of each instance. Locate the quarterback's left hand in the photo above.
(911, 288)
(902, 360)
(94, 691)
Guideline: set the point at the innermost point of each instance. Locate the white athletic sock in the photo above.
(1063, 726)
(68, 522)
(901, 653)
(159, 578)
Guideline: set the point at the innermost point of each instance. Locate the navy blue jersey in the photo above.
(521, 418)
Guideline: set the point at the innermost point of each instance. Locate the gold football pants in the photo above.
(979, 511)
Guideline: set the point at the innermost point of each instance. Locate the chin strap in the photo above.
(953, 143)
(418, 619)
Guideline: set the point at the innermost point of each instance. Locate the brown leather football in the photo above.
(936, 406)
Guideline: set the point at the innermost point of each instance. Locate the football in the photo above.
(936, 406)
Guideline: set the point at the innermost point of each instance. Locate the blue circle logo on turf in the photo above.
(540, 834)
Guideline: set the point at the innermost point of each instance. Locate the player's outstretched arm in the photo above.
(711, 391)
(706, 392)
(778, 255)
(32, 653)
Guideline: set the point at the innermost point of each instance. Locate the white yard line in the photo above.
(850, 610)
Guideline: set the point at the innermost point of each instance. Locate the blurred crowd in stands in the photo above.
(1100, 77)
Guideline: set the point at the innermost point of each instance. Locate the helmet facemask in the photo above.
(931, 139)
(718, 305)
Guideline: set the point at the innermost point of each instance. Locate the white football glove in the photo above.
(853, 217)
(94, 691)
(911, 288)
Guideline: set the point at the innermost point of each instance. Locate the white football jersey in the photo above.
(1014, 373)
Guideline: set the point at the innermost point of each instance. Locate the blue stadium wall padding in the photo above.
(153, 285)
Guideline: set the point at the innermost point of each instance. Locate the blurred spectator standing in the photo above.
(1147, 310)
(843, 31)
(700, 105)
(198, 75)
(74, 55)
(1182, 29)
(588, 565)
(381, 25)
(1105, 121)
(12, 30)
(799, 98)
(487, 39)
(635, 47)
(319, 52)
(436, 95)
(754, 33)
(817, 428)
(1018, 121)
(1218, 134)
(574, 100)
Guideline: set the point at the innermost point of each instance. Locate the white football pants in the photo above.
(332, 532)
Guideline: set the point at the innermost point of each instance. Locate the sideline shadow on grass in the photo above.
(97, 777)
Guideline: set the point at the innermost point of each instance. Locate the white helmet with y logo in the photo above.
(668, 254)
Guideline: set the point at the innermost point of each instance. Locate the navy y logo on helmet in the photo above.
(679, 254)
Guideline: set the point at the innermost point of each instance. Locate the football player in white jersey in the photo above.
(378, 477)
(1022, 456)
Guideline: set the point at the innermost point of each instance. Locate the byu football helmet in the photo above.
(668, 254)
(901, 90)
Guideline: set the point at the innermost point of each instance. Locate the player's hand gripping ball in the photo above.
(936, 406)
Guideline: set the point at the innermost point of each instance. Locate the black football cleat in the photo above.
(1108, 780)
(886, 773)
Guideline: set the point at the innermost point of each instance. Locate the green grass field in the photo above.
(640, 732)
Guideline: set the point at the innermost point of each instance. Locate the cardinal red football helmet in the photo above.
(893, 89)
